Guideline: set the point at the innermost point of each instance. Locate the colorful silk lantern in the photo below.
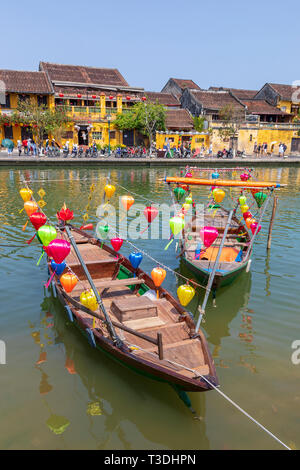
(127, 202)
(218, 195)
(68, 281)
(26, 194)
(244, 208)
(87, 227)
(30, 207)
(249, 222)
(245, 176)
(65, 214)
(242, 200)
(179, 193)
(38, 219)
(102, 231)
(189, 175)
(88, 299)
(247, 215)
(46, 234)
(109, 190)
(215, 175)
(58, 249)
(185, 207)
(185, 294)
(116, 243)
(253, 227)
(135, 259)
(150, 212)
(58, 268)
(176, 225)
(260, 198)
(189, 200)
(158, 275)
(208, 235)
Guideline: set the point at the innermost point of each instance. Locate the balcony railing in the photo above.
(86, 111)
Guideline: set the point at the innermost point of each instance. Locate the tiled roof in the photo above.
(240, 93)
(183, 83)
(178, 119)
(83, 74)
(163, 98)
(17, 81)
(285, 91)
(262, 107)
(216, 100)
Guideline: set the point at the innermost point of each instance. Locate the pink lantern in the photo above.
(150, 213)
(253, 227)
(188, 175)
(245, 176)
(58, 249)
(208, 235)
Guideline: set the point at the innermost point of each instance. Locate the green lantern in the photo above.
(260, 198)
(46, 234)
(179, 193)
(242, 200)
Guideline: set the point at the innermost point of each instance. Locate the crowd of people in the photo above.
(262, 149)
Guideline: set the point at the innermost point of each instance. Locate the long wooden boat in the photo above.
(157, 334)
(234, 256)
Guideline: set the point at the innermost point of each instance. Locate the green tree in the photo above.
(42, 119)
(145, 117)
(199, 123)
(232, 118)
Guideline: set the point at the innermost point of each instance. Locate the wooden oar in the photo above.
(117, 341)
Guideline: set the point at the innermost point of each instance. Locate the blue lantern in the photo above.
(135, 260)
(58, 268)
(215, 175)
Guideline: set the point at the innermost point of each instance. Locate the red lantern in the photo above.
(61, 95)
(38, 219)
(65, 214)
(79, 95)
(144, 98)
(150, 213)
(128, 98)
(116, 243)
(94, 97)
(111, 97)
(247, 215)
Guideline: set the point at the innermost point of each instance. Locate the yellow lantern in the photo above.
(244, 208)
(109, 190)
(88, 299)
(25, 194)
(185, 294)
(185, 207)
(218, 195)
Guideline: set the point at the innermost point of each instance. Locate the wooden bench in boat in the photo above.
(108, 282)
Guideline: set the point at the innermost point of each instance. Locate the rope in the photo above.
(232, 402)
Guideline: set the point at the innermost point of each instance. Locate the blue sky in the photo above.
(231, 43)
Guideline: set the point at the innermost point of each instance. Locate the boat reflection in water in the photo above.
(117, 396)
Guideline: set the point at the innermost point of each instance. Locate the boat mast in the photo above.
(213, 272)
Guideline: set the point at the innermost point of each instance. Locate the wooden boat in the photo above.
(156, 336)
(234, 256)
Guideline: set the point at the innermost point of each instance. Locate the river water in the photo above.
(58, 393)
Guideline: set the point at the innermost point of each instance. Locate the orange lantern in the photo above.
(68, 281)
(158, 275)
(249, 222)
(127, 202)
(30, 207)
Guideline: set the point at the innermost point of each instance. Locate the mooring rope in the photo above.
(232, 402)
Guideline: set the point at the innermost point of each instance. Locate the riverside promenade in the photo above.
(15, 160)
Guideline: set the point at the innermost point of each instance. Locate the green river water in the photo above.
(58, 393)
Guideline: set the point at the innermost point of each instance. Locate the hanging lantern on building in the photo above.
(144, 98)
(128, 98)
(111, 97)
(78, 95)
(94, 97)
(61, 95)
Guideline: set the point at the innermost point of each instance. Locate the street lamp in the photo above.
(108, 121)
